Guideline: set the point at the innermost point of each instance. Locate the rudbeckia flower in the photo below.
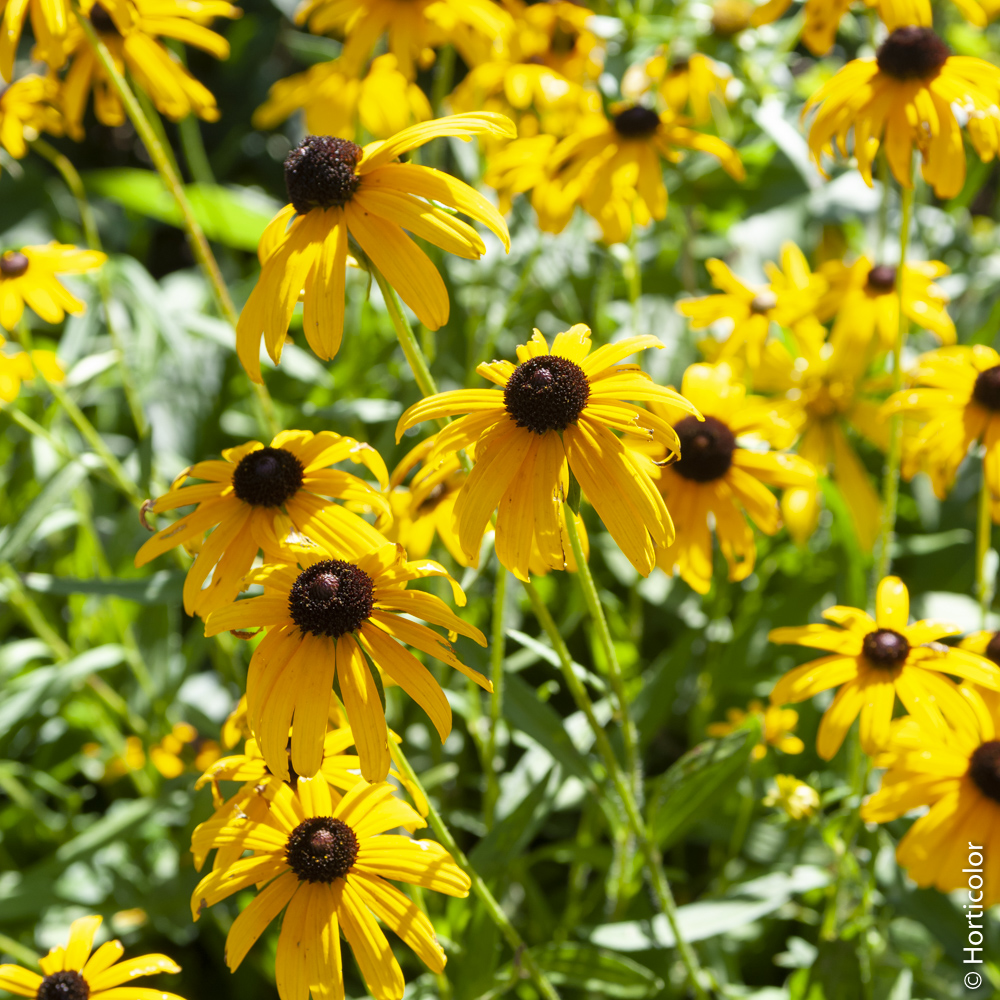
(29, 277)
(956, 772)
(27, 107)
(864, 299)
(255, 497)
(984, 643)
(558, 412)
(955, 395)
(716, 479)
(687, 84)
(907, 97)
(326, 861)
(339, 191)
(872, 661)
(793, 797)
(778, 727)
(335, 103)
(50, 20)
(324, 615)
(557, 34)
(21, 367)
(788, 300)
(73, 973)
(132, 29)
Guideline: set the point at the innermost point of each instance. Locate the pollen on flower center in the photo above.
(68, 985)
(912, 53)
(885, 648)
(319, 172)
(986, 391)
(321, 849)
(881, 279)
(102, 21)
(267, 477)
(636, 122)
(984, 769)
(13, 264)
(706, 449)
(331, 598)
(546, 393)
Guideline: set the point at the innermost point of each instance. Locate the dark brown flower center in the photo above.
(706, 449)
(13, 264)
(331, 598)
(563, 40)
(636, 122)
(912, 53)
(885, 648)
(993, 649)
(881, 279)
(984, 769)
(102, 22)
(267, 477)
(763, 302)
(321, 849)
(319, 172)
(546, 393)
(69, 985)
(986, 391)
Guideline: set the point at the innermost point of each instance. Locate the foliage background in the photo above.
(95, 651)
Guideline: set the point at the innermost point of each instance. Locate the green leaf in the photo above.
(163, 587)
(54, 493)
(681, 795)
(233, 216)
(585, 967)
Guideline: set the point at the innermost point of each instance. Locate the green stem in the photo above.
(883, 211)
(984, 531)
(497, 640)
(633, 275)
(189, 131)
(21, 952)
(33, 615)
(647, 845)
(479, 887)
(890, 486)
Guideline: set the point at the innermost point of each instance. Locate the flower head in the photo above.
(254, 498)
(29, 277)
(339, 191)
(872, 661)
(21, 367)
(30, 105)
(778, 726)
(558, 412)
(687, 84)
(794, 797)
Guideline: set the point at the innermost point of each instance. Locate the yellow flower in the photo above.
(72, 973)
(132, 30)
(556, 34)
(28, 277)
(168, 755)
(477, 28)
(872, 661)
(825, 392)
(686, 84)
(557, 413)
(339, 191)
(716, 480)
(956, 772)
(27, 107)
(20, 367)
(323, 615)
(956, 397)
(983, 643)
(788, 300)
(906, 97)
(255, 497)
(797, 799)
(50, 20)
(864, 298)
(778, 725)
(325, 859)
(335, 103)
(612, 167)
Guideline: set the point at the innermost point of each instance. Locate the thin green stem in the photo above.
(24, 955)
(883, 211)
(18, 598)
(633, 275)
(984, 532)
(479, 887)
(647, 845)
(890, 486)
(497, 640)
(189, 131)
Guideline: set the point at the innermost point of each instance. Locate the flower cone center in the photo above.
(321, 849)
(331, 598)
(993, 649)
(636, 122)
(267, 477)
(319, 172)
(986, 391)
(68, 985)
(706, 449)
(881, 279)
(885, 648)
(102, 21)
(912, 53)
(13, 264)
(984, 769)
(546, 393)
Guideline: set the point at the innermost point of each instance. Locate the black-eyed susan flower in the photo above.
(20, 366)
(340, 192)
(255, 497)
(955, 771)
(132, 30)
(984, 643)
(955, 400)
(687, 84)
(324, 614)
(180, 748)
(557, 34)
(71, 972)
(796, 799)
(383, 102)
(864, 298)
(50, 20)
(904, 98)
(777, 725)
(788, 299)
(716, 479)
(872, 661)
(28, 107)
(29, 276)
(558, 412)
(327, 861)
